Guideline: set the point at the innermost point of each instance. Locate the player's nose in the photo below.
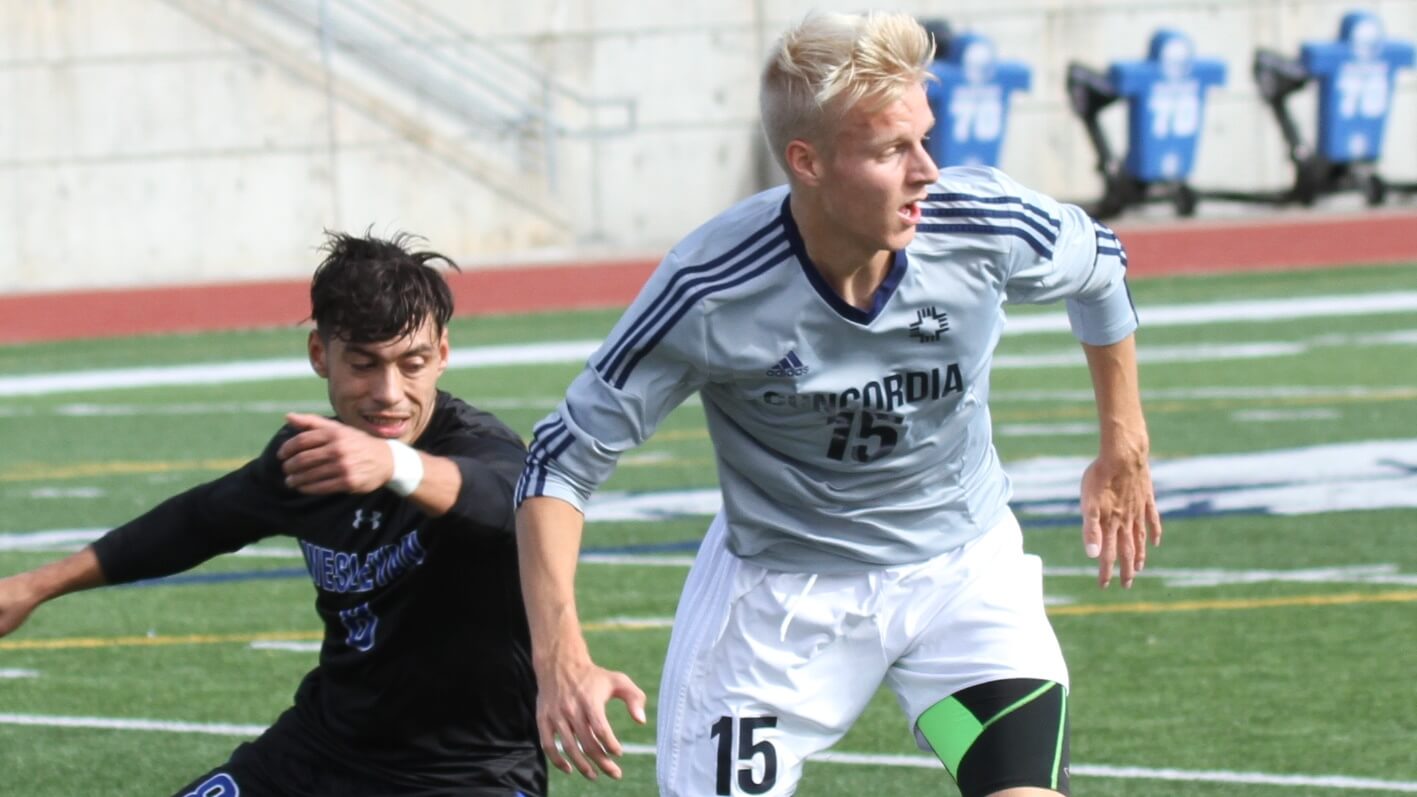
(923, 168)
(386, 386)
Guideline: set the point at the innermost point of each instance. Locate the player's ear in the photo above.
(443, 351)
(804, 163)
(319, 354)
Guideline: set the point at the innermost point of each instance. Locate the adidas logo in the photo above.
(788, 366)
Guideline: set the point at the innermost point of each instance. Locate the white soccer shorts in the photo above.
(766, 668)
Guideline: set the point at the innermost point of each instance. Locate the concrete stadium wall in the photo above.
(143, 147)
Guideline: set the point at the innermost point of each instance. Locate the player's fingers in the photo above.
(596, 738)
(305, 460)
(1108, 556)
(636, 704)
(571, 745)
(312, 469)
(627, 690)
(549, 746)
(301, 442)
(1091, 517)
(1139, 541)
(297, 479)
(318, 481)
(1092, 535)
(599, 726)
(1154, 520)
(305, 420)
(601, 746)
(568, 727)
(325, 487)
(1126, 553)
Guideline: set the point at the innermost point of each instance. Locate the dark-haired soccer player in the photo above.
(402, 506)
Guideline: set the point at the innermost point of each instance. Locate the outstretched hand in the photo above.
(1119, 515)
(327, 456)
(570, 709)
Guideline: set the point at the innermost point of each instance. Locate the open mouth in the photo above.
(386, 426)
(910, 213)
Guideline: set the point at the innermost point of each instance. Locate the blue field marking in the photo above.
(221, 578)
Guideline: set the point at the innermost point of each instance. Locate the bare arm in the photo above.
(548, 545)
(329, 457)
(21, 594)
(572, 689)
(1118, 500)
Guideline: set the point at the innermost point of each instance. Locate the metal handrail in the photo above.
(371, 34)
(551, 85)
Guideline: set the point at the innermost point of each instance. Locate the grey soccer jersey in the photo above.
(845, 438)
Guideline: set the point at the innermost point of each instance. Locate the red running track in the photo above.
(1288, 241)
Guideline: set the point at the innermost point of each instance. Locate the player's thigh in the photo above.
(985, 684)
(1006, 737)
(989, 624)
(764, 669)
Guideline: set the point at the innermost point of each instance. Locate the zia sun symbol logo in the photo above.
(929, 325)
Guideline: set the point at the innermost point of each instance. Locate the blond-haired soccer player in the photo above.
(840, 332)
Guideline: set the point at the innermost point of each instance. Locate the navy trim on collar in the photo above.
(851, 313)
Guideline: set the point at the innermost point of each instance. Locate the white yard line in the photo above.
(67, 492)
(1286, 416)
(91, 409)
(269, 370)
(60, 540)
(1183, 315)
(638, 560)
(1224, 393)
(120, 724)
(286, 646)
(1045, 429)
(578, 351)
(1206, 352)
(1337, 782)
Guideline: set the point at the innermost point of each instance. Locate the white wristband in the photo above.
(408, 469)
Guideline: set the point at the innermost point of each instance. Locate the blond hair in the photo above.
(821, 69)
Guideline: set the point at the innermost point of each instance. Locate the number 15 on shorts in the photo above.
(754, 760)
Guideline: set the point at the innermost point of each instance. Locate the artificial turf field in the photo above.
(1269, 648)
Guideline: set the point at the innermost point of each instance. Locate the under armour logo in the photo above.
(374, 520)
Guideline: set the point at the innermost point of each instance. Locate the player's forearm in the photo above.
(439, 488)
(548, 546)
(1118, 392)
(75, 572)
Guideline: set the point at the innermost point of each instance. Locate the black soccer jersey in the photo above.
(425, 674)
